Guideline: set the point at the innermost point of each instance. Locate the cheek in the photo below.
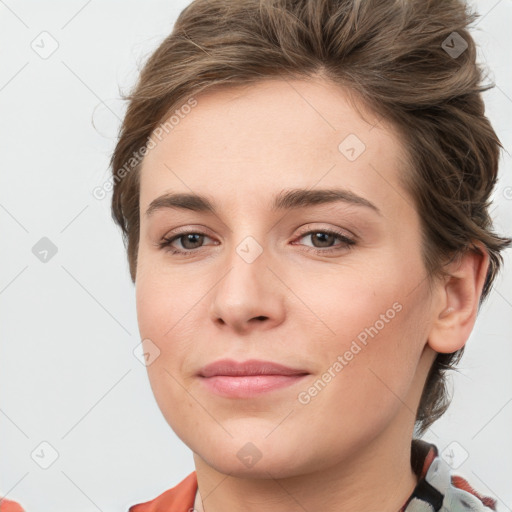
(159, 313)
(365, 384)
(374, 330)
(167, 313)
(163, 301)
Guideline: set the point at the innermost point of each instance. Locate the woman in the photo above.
(303, 187)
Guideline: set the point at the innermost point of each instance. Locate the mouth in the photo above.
(246, 379)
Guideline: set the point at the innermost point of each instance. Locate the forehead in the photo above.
(253, 141)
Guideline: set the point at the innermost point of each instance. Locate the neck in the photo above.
(378, 477)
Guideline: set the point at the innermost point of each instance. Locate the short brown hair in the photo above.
(398, 56)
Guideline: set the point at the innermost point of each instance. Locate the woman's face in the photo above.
(264, 278)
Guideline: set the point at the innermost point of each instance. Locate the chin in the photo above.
(259, 459)
(263, 469)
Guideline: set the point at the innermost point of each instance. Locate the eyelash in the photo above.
(166, 242)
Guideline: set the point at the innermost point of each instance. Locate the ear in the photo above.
(458, 295)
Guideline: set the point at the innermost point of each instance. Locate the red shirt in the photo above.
(178, 499)
(9, 506)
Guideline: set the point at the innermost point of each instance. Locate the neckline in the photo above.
(423, 454)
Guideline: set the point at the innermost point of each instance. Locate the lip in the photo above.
(246, 379)
(251, 367)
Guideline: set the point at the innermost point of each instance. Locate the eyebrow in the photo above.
(285, 200)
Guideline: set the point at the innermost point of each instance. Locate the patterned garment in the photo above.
(438, 489)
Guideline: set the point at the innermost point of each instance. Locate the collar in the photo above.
(437, 487)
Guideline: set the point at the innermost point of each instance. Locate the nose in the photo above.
(248, 296)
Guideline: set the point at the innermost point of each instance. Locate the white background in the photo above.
(68, 375)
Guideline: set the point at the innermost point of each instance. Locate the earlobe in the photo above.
(458, 297)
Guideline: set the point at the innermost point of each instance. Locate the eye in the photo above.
(325, 238)
(190, 241)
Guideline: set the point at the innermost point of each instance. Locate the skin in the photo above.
(349, 447)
